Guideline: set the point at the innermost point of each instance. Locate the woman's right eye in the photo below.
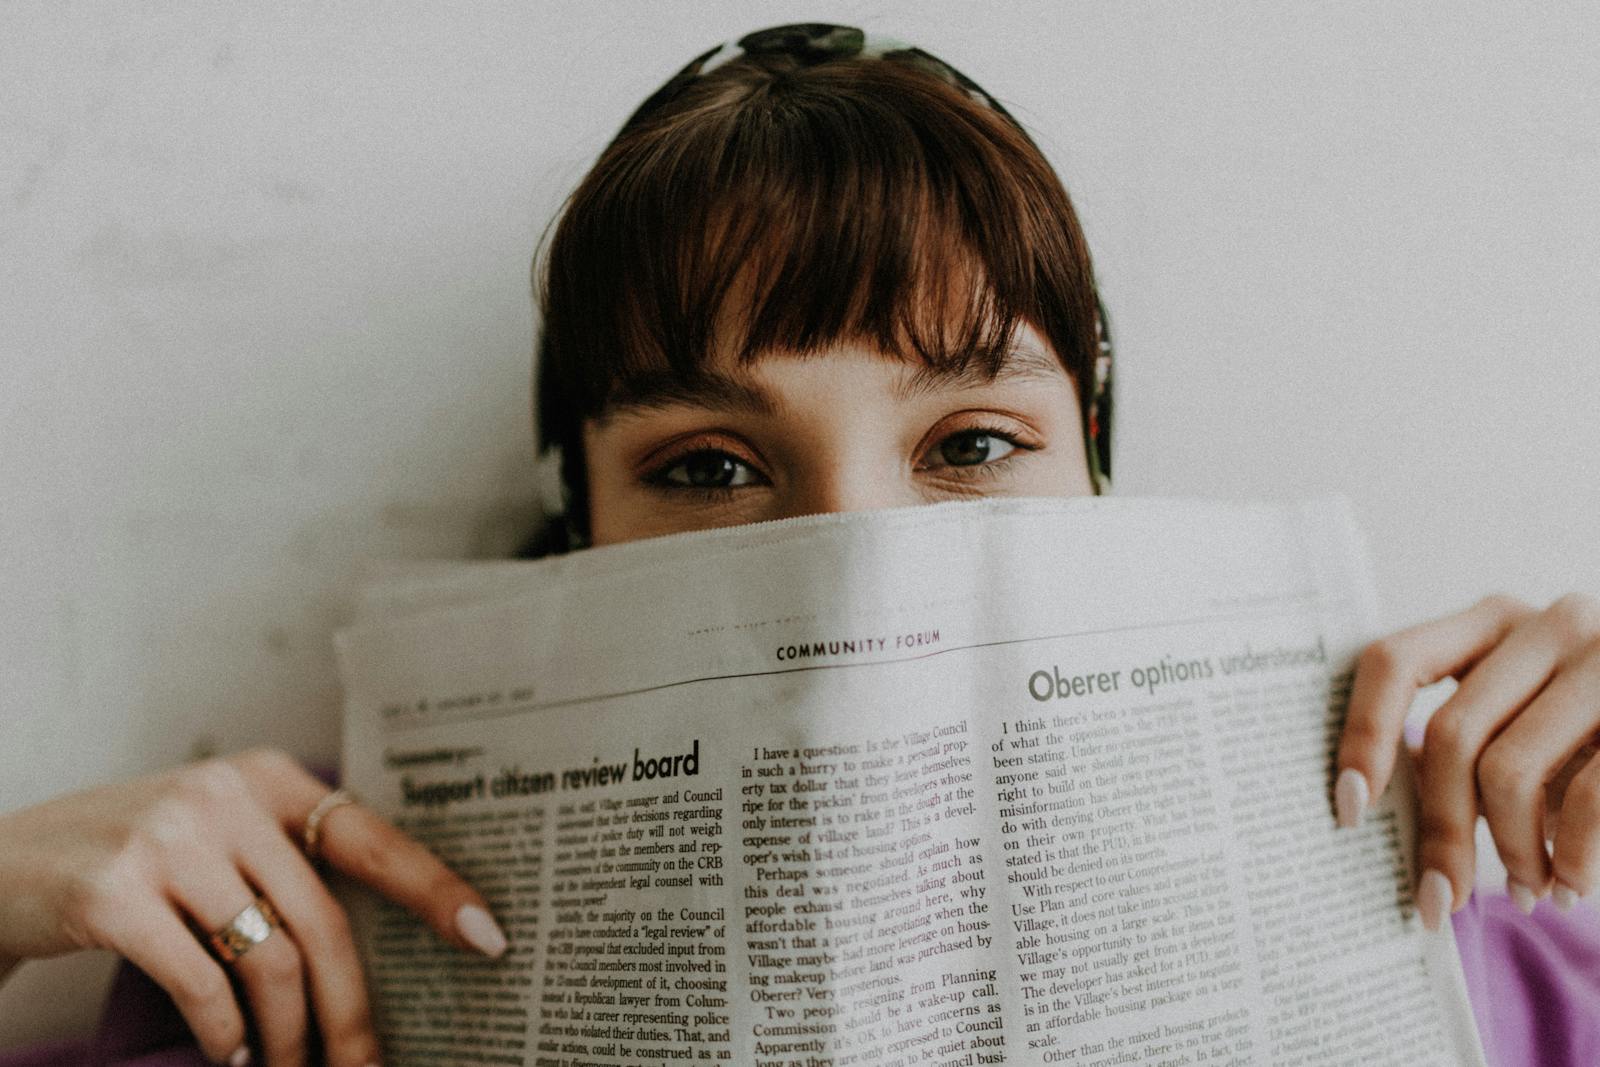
(707, 469)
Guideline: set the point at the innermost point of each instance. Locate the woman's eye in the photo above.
(969, 448)
(708, 469)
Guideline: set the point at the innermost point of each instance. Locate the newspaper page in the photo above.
(1028, 782)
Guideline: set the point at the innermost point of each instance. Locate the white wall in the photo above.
(264, 310)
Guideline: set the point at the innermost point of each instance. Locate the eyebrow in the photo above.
(703, 389)
(737, 394)
(1024, 360)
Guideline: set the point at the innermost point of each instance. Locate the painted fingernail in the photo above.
(1350, 795)
(1434, 897)
(480, 930)
(1564, 896)
(1521, 896)
(240, 1057)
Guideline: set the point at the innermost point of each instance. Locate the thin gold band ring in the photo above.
(312, 837)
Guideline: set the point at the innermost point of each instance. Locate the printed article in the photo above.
(1025, 782)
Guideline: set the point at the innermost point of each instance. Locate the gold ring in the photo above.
(312, 836)
(248, 929)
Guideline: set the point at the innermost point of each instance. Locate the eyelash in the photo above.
(979, 471)
(657, 477)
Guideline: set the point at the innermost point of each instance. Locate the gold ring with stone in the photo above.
(312, 837)
(248, 929)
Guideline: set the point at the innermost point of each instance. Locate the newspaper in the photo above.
(1028, 782)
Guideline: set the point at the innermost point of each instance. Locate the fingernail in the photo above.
(1350, 795)
(1434, 897)
(1564, 896)
(1521, 896)
(480, 930)
(240, 1058)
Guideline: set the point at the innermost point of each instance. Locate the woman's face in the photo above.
(845, 430)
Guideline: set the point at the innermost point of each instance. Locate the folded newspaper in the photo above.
(1027, 782)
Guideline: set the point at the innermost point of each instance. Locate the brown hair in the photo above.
(858, 201)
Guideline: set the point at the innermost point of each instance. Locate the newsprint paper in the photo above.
(1027, 782)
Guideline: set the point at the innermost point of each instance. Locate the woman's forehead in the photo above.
(756, 385)
(1025, 351)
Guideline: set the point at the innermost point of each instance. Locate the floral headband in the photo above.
(810, 43)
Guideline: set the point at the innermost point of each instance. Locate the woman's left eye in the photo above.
(971, 448)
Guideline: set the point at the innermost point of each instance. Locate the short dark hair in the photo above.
(851, 201)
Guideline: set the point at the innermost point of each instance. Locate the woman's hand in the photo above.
(123, 866)
(1512, 743)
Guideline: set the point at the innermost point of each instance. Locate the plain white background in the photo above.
(264, 310)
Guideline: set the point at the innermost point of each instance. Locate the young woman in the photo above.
(819, 271)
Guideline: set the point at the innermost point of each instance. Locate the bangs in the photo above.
(792, 210)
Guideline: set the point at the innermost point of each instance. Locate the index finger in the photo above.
(1391, 670)
(362, 844)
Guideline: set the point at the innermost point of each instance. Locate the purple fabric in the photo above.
(53, 1055)
(1534, 981)
(1534, 984)
(139, 1027)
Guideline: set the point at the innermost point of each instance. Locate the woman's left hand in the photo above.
(1512, 744)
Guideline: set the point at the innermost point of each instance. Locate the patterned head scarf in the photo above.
(810, 43)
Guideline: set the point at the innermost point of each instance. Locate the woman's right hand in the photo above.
(122, 867)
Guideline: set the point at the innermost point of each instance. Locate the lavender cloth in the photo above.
(139, 1027)
(1534, 981)
(1534, 984)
